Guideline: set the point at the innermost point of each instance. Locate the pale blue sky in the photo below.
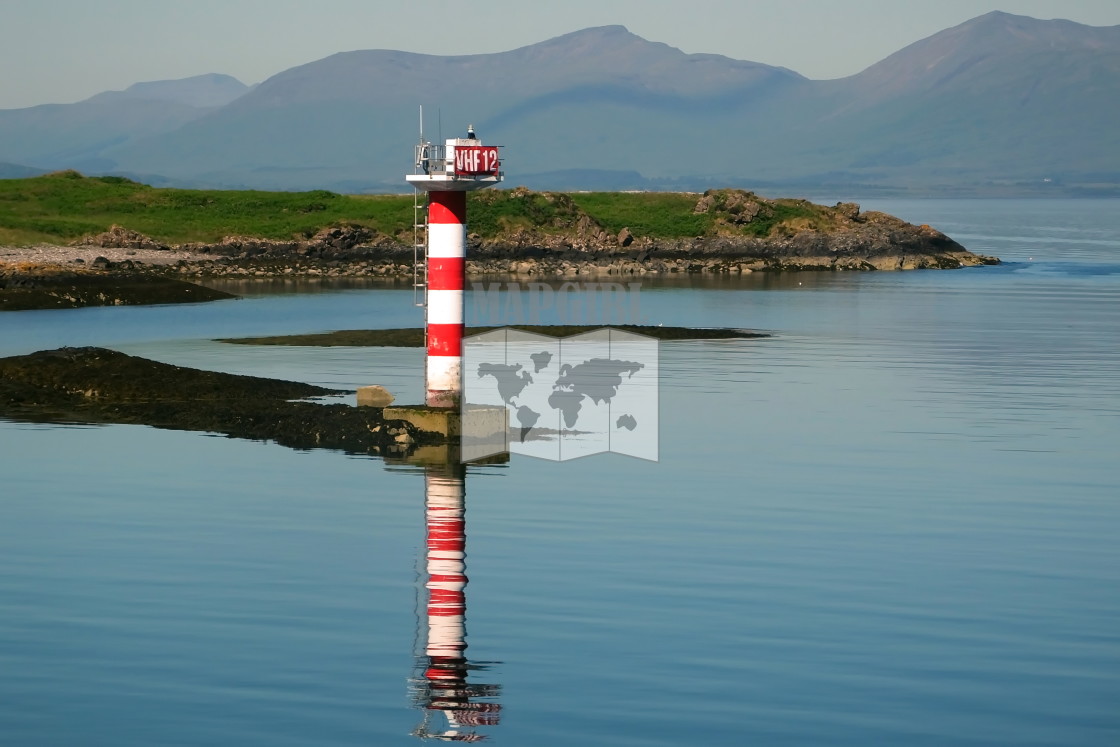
(59, 51)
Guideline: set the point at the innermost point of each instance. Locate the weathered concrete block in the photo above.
(445, 421)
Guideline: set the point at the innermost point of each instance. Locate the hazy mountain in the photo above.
(353, 116)
(1000, 98)
(201, 91)
(15, 171)
(56, 136)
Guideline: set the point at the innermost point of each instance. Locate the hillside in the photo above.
(77, 136)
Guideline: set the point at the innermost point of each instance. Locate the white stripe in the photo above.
(445, 493)
(443, 373)
(445, 307)
(445, 564)
(445, 635)
(447, 240)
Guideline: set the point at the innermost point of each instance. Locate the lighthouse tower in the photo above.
(446, 173)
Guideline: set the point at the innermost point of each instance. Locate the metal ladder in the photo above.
(419, 249)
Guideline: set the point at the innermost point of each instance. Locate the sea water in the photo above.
(895, 521)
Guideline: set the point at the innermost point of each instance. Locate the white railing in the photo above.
(432, 159)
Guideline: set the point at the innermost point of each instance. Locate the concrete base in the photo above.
(374, 396)
(445, 421)
(487, 427)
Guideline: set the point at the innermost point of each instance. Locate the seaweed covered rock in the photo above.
(96, 385)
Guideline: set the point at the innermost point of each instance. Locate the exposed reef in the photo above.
(100, 386)
(414, 337)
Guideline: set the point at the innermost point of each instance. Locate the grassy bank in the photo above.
(63, 207)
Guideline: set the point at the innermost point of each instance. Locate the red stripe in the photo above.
(445, 339)
(446, 545)
(447, 207)
(446, 273)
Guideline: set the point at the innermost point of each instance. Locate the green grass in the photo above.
(787, 213)
(664, 214)
(66, 206)
(493, 211)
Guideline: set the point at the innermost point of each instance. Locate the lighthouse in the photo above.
(445, 173)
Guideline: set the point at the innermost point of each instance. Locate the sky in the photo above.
(61, 51)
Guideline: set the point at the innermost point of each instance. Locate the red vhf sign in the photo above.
(476, 159)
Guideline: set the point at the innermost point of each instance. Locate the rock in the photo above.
(374, 396)
(849, 210)
(625, 238)
(119, 237)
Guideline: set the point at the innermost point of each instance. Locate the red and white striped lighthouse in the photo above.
(446, 173)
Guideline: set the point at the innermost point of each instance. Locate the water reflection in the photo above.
(270, 286)
(453, 709)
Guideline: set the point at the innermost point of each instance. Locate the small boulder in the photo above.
(374, 396)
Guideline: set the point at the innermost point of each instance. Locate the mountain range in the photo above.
(999, 101)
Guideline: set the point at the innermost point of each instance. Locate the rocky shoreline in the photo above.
(839, 238)
(33, 285)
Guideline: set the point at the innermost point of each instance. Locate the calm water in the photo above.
(896, 522)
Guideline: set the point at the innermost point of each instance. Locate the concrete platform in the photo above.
(446, 421)
(487, 427)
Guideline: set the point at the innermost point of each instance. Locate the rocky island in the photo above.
(160, 243)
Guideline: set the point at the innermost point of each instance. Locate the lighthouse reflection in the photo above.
(454, 708)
